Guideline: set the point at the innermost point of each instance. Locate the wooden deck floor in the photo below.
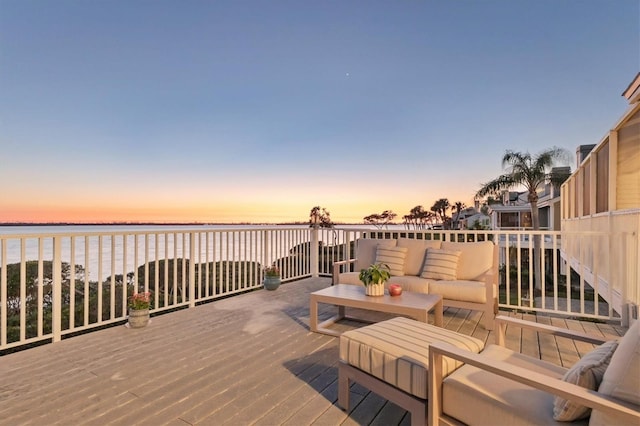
(250, 359)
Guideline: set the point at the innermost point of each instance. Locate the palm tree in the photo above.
(440, 208)
(407, 220)
(532, 172)
(415, 217)
(458, 206)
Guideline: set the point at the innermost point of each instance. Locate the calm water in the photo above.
(104, 256)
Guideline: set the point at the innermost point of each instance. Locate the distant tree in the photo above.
(418, 218)
(412, 219)
(478, 226)
(440, 208)
(493, 200)
(458, 206)
(523, 169)
(407, 221)
(38, 292)
(380, 220)
(319, 216)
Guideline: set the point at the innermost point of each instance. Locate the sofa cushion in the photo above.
(392, 257)
(397, 351)
(349, 278)
(440, 264)
(475, 396)
(620, 380)
(366, 251)
(587, 372)
(463, 291)
(415, 254)
(410, 283)
(475, 260)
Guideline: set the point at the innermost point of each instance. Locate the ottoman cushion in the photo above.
(397, 351)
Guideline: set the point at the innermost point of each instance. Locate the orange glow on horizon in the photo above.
(200, 205)
(259, 212)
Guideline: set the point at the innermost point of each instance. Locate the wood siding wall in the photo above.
(628, 178)
(602, 179)
(586, 188)
(613, 167)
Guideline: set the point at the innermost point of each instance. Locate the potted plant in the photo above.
(374, 278)
(139, 304)
(271, 277)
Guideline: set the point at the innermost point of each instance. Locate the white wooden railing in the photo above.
(53, 285)
(57, 284)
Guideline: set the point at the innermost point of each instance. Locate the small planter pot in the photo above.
(138, 318)
(271, 283)
(374, 290)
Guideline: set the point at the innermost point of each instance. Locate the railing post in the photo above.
(56, 311)
(347, 247)
(314, 252)
(265, 251)
(192, 270)
(3, 292)
(629, 290)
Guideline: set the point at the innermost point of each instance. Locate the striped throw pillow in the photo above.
(588, 373)
(440, 264)
(393, 258)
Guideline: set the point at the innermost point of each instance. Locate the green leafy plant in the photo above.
(377, 273)
(140, 301)
(272, 271)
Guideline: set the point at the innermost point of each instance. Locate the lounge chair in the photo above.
(499, 386)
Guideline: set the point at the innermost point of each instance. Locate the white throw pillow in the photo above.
(588, 373)
(440, 264)
(393, 258)
(366, 251)
(621, 381)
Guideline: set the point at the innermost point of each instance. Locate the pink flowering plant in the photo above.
(140, 301)
(272, 271)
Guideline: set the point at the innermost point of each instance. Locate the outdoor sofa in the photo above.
(464, 274)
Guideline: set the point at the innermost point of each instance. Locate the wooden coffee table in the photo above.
(414, 305)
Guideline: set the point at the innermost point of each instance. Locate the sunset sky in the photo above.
(256, 111)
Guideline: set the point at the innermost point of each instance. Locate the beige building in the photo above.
(600, 206)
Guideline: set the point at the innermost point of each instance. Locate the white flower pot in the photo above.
(374, 290)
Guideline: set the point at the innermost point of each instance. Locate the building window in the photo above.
(543, 215)
(509, 220)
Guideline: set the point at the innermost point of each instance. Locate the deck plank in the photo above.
(249, 359)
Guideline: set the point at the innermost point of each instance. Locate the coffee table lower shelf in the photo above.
(414, 305)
